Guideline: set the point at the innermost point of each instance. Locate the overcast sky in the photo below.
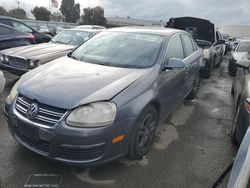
(218, 11)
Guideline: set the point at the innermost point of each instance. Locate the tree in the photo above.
(41, 13)
(70, 10)
(3, 12)
(18, 13)
(94, 16)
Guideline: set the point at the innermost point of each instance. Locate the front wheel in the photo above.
(235, 124)
(143, 133)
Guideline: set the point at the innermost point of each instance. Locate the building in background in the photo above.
(238, 31)
(127, 21)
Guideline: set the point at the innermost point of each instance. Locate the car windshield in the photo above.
(75, 38)
(243, 47)
(130, 50)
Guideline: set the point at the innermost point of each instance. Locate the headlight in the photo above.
(93, 115)
(33, 63)
(206, 53)
(13, 93)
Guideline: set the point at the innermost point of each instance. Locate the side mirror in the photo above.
(174, 63)
(243, 63)
(220, 42)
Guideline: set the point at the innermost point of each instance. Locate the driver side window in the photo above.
(21, 27)
(175, 48)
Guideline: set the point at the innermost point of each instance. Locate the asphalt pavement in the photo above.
(192, 149)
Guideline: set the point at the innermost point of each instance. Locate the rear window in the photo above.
(4, 31)
(6, 22)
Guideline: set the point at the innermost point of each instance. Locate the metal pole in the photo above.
(18, 2)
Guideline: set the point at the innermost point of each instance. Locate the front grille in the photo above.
(17, 62)
(81, 154)
(47, 115)
(40, 145)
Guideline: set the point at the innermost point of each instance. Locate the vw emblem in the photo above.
(32, 111)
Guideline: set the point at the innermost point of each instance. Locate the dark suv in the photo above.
(39, 37)
(206, 36)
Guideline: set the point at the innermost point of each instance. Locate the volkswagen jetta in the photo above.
(105, 99)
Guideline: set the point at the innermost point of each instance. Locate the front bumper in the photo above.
(75, 146)
(12, 69)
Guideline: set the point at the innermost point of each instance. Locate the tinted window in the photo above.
(21, 27)
(189, 49)
(6, 22)
(132, 50)
(4, 31)
(194, 44)
(175, 48)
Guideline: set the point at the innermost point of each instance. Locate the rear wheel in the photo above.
(143, 133)
(193, 94)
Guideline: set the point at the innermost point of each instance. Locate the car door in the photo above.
(6, 37)
(191, 60)
(172, 82)
(217, 50)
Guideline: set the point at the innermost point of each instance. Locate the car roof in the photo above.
(87, 30)
(168, 32)
(6, 17)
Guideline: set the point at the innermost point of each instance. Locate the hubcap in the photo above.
(146, 133)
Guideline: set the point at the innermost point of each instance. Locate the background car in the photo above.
(206, 36)
(240, 173)
(10, 37)
(105, 99)
(22, 59)
(39, 37)
(90, 27)
(240, 50)
(241, 98)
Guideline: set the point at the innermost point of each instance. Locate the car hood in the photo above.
(68, 83)
(238, 55)
(38, 51)
(199, 28)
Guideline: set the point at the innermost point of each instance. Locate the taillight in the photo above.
(247, 104)
(31, 38)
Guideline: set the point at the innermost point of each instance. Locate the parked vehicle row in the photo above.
(105, 99)
(20, 60)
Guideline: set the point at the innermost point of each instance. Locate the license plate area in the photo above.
(28, 130)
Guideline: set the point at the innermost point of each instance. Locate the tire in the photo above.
(232, 88)
(193, 94)
(233, 130)
(206, 73)
(143, 133)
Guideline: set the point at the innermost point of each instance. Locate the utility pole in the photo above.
(18, 2)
